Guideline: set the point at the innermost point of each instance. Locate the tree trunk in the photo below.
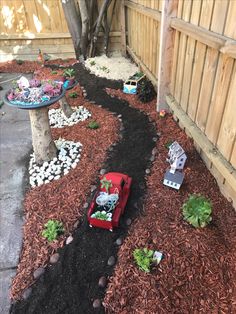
(104, 8)
(66, 108)
(43, 144)
(85, 27)
(73, 20)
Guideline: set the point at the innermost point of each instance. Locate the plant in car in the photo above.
(143, 258)
(197, 211)
(106, 184)
(52, 229)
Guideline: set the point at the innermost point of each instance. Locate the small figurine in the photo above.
(177, 158)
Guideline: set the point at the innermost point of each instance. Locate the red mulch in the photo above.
(198, 273)
(63, 199)
(31, 66)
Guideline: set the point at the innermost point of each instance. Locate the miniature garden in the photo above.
(125, 217)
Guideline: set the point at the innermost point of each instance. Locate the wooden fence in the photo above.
(188, 49)
(27, 25)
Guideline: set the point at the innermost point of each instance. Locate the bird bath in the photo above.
(43, 144)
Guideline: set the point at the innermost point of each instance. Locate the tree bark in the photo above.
(73, 20)
(104, 7)
(66, 108)
(43, 144)
(85, 26)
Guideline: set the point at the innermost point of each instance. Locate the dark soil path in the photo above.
(71, 285)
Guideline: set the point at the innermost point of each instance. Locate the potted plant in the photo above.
(69, 75)
(145, 258)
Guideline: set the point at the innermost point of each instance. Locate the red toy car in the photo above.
(109, 201)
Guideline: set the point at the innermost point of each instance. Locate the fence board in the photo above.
(223, 77)
(227, 132)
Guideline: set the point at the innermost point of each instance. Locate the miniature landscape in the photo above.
(164, 256)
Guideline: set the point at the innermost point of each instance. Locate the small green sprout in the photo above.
(69, 73)
(54, 72)
(53, 228)
(93, 125)
(143, 258)
(92, 62)
(73, 95)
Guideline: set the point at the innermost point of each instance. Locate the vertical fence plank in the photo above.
(182, 51)
(169, 10)
(123, 28)
(227, 132)
(230, 28)
(223, 77)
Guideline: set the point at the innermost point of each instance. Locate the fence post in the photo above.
(123, 28)
(169, 9)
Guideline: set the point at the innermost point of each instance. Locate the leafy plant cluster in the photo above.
(19, 62)
(73, 95)
(69, 73)
(53, 228)
(93, 125)
(143, 258)
(197, 211)
(146, 91)
(107, 184)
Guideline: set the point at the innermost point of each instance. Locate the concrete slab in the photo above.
(15, 145)
(5, 284)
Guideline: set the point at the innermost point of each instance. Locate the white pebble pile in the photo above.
(115, 67)
(68, 158)
(57, 119)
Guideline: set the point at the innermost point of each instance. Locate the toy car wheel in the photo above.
(90, 226)
(111, 230)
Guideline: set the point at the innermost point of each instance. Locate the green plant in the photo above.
(106, 184)
(69, 73)
(73, 95)
(146, 91)
(197, 211)
(92, 62)
(93, 125)
(102, 215)
(168, 143)
(1, 103)
(54, 72)
(18, 61)
(105, 69)
(143, 258)
(53, 228)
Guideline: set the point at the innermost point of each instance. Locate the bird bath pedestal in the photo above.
(43, 144)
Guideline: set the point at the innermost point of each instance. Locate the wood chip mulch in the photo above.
(30, 66)
(198, 273)
(63, 199)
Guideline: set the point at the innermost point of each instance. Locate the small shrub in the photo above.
(18, 61)
(73, 95)
(53, 228)
(197, 211)
(93, 125)
(143, 258)
(146, 91)
(54, 72)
